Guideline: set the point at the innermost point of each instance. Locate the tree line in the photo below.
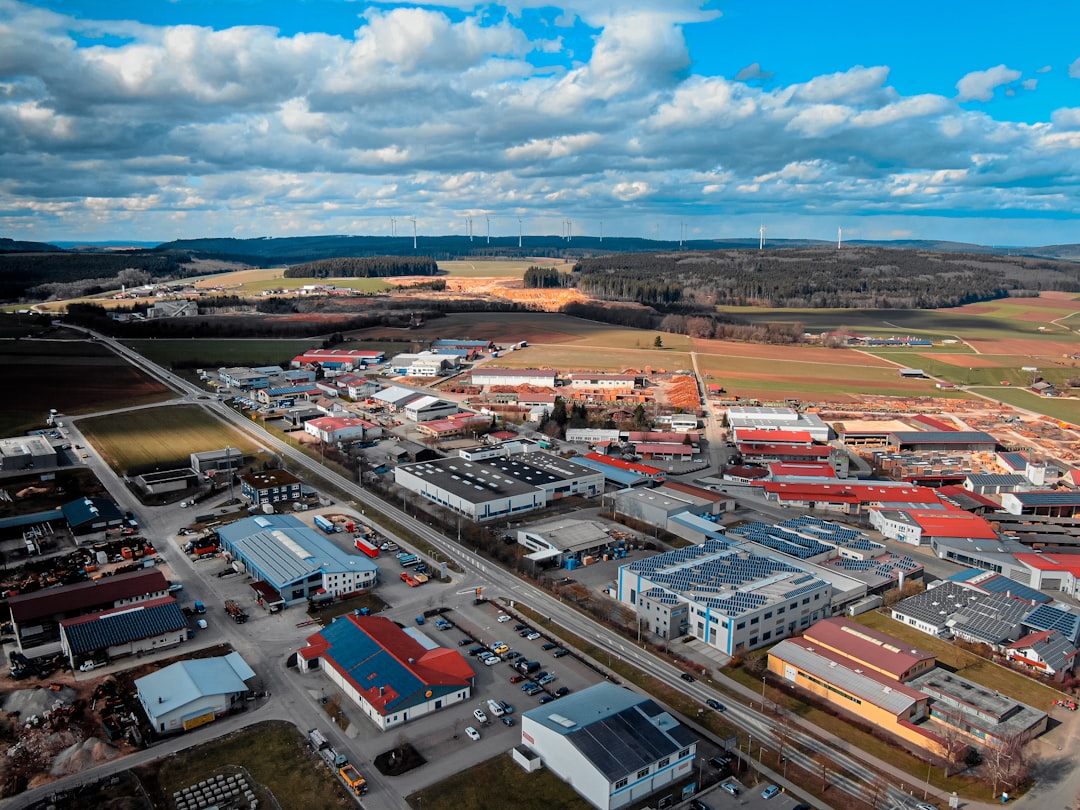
(364, 267)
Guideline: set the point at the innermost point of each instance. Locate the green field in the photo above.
(595, 357)
(1067, 410)
(279, 282)
(137, 441)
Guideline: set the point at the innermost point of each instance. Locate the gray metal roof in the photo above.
(894, 697)
(998, 480)
(618, 731)
(943, 437)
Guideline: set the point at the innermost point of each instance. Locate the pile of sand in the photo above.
(28, 702)
(82, 755)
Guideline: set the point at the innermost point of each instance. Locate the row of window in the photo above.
(641, 774)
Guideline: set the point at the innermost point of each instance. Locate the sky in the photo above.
(149, 120)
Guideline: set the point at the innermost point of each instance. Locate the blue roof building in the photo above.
(108, 634)
(294, 559)
(91, 515)
(611, 745)
(189, 694)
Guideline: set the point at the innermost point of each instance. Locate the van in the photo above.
(496, 708)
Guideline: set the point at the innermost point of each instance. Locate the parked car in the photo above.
(519, 627)
(561, 691)
(499, 647)
(533, 636)
(559, 653)
(506, 707)
(475, 651)
(546, 679)
(526, 632)
(480, 715)
(517, 678)
(492, 660)
(769, 792)
(465, 642)
(550, 646)
(472, 733)
(546, 699)
(531, 689)
(504, 618)
(730, 787)
(510, 656)
(508, 721)
(698, 804)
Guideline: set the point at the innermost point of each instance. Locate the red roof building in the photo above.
(800, 469)
(772, 436)
(390, 675)
(871, 649)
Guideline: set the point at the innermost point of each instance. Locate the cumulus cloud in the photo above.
(437, 110)
(979, 85)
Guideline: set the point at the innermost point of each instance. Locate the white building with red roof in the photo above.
(1047, 652)
(922, 527)
(333, 429)
(342, 359)
(392, 674)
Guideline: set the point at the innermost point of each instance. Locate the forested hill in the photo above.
(366, 267)
(13, 246)
(864, 277)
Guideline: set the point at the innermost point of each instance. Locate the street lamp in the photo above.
(763, 693)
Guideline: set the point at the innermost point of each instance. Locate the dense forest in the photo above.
(864, 277)
(365, 267)
(41, 276)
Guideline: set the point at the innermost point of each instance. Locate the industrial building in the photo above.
(498, 487)
(270, 486)
(558, 542)
(722, 595)
(189, 694)
(772, 419)
(293, 560)
(613, 746)
(105, 636)
(490, 375)
(20, 453)
(393, 674)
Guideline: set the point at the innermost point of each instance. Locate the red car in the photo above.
(517, 678)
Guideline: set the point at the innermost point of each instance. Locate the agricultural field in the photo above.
(75, 377)
(213, 354)
(136, 441)
(1066, 410)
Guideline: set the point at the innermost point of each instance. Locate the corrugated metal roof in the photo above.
(71, 599)
(120, 626)
(181, 683)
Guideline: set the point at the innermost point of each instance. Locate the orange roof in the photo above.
(846, 492)
(1052, 562)
(773, 436)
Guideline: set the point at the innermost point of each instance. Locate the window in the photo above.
(664, 762)
(768, 614)
(753, 641)
(621, 783)
(740, 626)
(684, 753)
(780, 611)
(766, 635)
(642, 773)
(754, 620)
(806, 601)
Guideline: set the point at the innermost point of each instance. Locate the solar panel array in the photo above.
(1048, 617)
(832, 533)
(623, 743)
(781, 540)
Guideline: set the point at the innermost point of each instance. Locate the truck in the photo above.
(409, 579)
(353, 779)
(238, 614)
(327, 526)
(420, 578)
(365, 547)
(204, 548)
(317, 601)
(333, 758)
(408, 559)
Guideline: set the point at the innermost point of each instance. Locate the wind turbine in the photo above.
(486, 217)
(761, 241)
(601, 231)
(393, 226)
(839, 237)
(413, 220)
(569, 229)
(468, 226)
(519, 231)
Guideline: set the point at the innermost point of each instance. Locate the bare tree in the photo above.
(823, 762)
(955, 747)
(1007, 765)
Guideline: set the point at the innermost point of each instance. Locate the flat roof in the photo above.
(1008, 717)
(943, 437)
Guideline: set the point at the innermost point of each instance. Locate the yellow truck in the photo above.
(353, 779)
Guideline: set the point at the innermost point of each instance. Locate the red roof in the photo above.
(746, 472)
(818, 469)
(93, 617)
(663, 436)
(84, 596)
(797, 450)
(698, 492)
(665, 449)
(773, 436)
(866, 645)
(931, 422)
(332, 423)
(1052, 562)
(953, 523)
(1030, 639)
(629, 466)
(845, 492)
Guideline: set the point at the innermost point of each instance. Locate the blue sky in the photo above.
(142, 121)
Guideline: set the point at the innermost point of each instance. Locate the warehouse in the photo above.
(189, 694)
(294, 559)
(613, 746)
(392, 674)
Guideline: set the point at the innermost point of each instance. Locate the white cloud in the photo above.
(630, 191)
(1074, 70)
(1066, 118)
(1029, 84)
(979, 85)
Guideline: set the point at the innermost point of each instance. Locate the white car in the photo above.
(492, 660)
(480, 716)
(472, 733)
(504, 618)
